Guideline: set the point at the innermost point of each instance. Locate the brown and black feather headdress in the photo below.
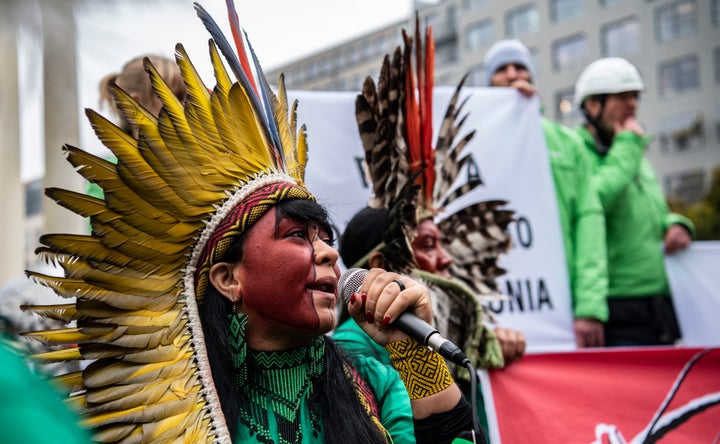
(413, 179)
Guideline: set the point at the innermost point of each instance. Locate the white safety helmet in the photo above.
(610, 75)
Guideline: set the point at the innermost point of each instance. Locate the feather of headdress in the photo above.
(130, 317)
(65, 312)
(424, 60)
(413, 121)
(239, 44)
(395, 126)
(270, 107)
(262, 108)
(476, 236)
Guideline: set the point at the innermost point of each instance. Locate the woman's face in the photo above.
(288, 276)
(428, 250)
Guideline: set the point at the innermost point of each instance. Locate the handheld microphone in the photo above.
(407, 323)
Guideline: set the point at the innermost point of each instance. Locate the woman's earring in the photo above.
(236, 324)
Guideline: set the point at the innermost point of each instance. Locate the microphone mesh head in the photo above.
(350, 282)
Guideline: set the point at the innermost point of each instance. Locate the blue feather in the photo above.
(232, 60)
(267, 93)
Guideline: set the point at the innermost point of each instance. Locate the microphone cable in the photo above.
(473, 400)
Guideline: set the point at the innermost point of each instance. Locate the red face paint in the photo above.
(428, 250)
(289, 277)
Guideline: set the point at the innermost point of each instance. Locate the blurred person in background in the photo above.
(640, 227)
(508, 63)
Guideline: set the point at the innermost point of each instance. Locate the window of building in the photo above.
(312, 70)
(295, 75)
(34, 220)
(681, 133)
(338, 59)
(561, 10)
(621, 37)
(716, 64)
(351, 55)
(451, 17)
(474, 4)
(610, 2)
(33, 197)
(565, 112)
(569, 52)
(382, 45)
(479, 35)
(522, 20)
(715, 11)
(432, 20)
(445, 54)
(687, 186)
(679, 75)
(676, 20)
(536, 61)
(366, 50)
(325, 65)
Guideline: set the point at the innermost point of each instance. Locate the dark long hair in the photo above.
(335, 394)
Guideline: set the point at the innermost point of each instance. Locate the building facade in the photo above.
(674, 43)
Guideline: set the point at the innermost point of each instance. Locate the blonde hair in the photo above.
(135, 81)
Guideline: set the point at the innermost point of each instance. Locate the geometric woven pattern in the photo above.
(422, 370)
(236, 222)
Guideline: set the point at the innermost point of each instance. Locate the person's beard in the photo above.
(603, 135)
(604, 138)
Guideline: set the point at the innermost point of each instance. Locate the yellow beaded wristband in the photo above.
(422, 370)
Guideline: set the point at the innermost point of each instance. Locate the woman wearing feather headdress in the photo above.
(413, 182)
(208, 282)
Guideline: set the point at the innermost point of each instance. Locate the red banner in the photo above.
(613, 396)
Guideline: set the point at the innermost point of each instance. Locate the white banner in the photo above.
(694, 276)
(510, 156)
(508, 150)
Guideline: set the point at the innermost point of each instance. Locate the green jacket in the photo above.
(636, 215)
(462, 325)
(582, 221)
(358, 345)
(32, 411)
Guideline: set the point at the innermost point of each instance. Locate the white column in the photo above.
(12, 194)
(61, 112)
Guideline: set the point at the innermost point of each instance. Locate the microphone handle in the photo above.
(415, 327)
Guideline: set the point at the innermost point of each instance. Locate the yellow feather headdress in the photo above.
(172, 203)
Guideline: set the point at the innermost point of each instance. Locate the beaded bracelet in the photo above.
(422, 370)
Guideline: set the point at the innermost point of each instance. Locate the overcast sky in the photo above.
(109, 33)
(284, 30)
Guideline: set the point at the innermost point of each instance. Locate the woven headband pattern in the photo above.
(242, 216)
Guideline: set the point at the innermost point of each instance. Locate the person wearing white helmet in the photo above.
(636, 212)
(508, 63)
